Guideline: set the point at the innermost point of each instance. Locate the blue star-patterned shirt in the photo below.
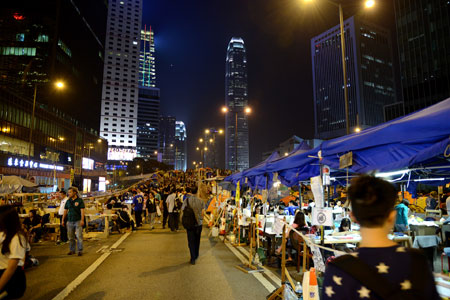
(394, 263)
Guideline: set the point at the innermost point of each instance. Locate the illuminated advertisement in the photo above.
(87, 163)
(87, 185)
(21, 163)
(121, 154)
(102, 184)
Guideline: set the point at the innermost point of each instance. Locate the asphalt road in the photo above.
(148, 265)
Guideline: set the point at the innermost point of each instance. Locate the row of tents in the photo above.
(418, 143)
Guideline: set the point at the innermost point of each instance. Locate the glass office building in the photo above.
(370, 77)
(147, 64)
(236, 99)
(423, 36)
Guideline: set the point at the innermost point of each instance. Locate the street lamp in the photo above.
(59, 85)
(207, 131)
(247, 110)
(200, 140)
(357, 129)
(368, 4)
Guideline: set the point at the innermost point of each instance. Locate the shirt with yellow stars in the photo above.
(393, 263)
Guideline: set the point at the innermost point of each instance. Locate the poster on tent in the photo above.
(317, 189)
(317, 258)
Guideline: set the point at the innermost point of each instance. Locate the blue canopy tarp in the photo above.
(400, 143)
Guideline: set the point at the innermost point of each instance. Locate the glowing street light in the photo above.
(207, 131)
(357, 129)
(370, 3)
(220, 131)
(198, 148)
(59, 84)
(247, 110)
(156, 152)
(200, 140)
(138, 166)
(99, 140)
(206, 149)
(224, 109)
(211, 140)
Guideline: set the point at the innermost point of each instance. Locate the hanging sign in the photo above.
(319, 265)
(322, 216)
(346, 160)
(317, 190)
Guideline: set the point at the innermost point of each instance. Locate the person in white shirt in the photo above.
(62, 195)
(12, 254)
(170, 207)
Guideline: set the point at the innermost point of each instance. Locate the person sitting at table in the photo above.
(432, 202)
(401, 221)
(33, 226)
(380, 269)
(293, 239)
(345, 226)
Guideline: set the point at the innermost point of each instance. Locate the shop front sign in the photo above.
(21, 163)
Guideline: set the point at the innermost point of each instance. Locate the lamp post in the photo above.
(58, 85)
(247, 110)
(368, 4)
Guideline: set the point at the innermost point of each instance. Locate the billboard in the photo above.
(121, 154)
(87, 163)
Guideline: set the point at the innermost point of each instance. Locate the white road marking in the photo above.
(71, 286)
(102, 249)
(269, 287)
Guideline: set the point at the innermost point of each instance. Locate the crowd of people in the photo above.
(172, 200)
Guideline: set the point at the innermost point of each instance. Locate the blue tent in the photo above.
(414, 140)
(404, 142)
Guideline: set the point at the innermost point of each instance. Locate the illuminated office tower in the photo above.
(236, 99)
(370, 77)
(147, 70)
(121, 78)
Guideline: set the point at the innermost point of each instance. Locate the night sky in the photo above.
(191, 39)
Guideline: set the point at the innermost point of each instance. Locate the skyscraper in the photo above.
(147, 69)
(37, 47)
(148, 123)
(167, 139)
(149, 95)
(236, 99)
(423, 34)
(121, 78)
(180, 146)
(370, 77)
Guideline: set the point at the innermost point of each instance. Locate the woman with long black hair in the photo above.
(12, 255)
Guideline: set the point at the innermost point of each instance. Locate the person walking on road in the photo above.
(138, 203)
(62, 195)
(194, 232)
(151, 208)
(164, 209)
(74, 214)
(171, 209)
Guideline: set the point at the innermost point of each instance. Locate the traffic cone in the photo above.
(313, 287)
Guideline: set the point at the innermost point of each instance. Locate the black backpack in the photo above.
(382, 287)
(188, 220)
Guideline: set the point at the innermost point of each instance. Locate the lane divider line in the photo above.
(77, 281)
(266, 283)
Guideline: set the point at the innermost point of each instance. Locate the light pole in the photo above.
(247, 110)
(368, 4)
(58, 85)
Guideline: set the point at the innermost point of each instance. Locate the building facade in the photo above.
(180, 146)
(37, 48)
(423, 36)
(167, 126)
(148, 123)
(370, 77)
(120, 95)
(236, 99)
(147, 63)
(62, 151)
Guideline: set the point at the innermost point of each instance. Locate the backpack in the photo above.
(381, 286)
(188, 220)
